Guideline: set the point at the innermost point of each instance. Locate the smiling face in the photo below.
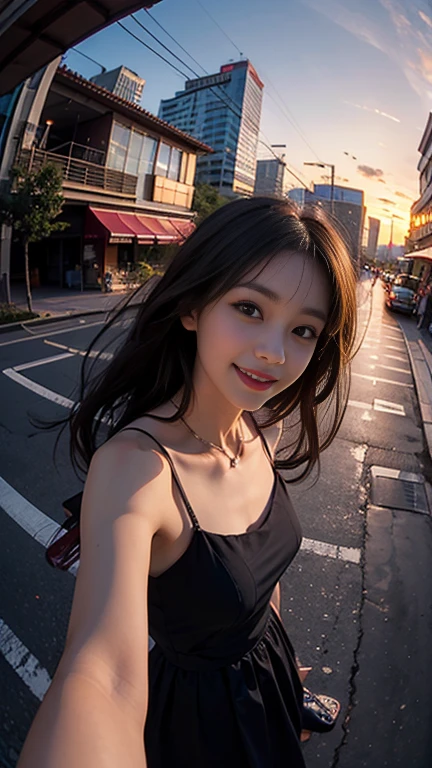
(268, 326)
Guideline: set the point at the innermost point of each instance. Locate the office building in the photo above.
(347, 208)
(373, 234)
(270, 177)
(223, 111)
(122, 82)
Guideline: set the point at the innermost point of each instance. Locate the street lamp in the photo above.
(331, 166)
(270, 148)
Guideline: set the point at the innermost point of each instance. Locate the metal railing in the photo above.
(80, 172)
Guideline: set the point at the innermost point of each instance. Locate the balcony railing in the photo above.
(81, 173)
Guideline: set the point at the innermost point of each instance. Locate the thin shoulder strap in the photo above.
(174, 473)
(263, 439)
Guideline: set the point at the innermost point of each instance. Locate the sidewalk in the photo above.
(419, 346)
(65, 301)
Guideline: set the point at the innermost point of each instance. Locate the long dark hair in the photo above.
(156, 360)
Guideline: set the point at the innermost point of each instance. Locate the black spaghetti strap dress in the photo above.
(224, 691)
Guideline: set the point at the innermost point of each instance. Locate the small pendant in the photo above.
(234, 462)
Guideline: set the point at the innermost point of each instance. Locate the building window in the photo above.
(148, 155)
(118, 147)
(163, 159)
(174, 165)
(134, 153)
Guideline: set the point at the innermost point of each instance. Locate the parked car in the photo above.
(401, 299)
(407, 281)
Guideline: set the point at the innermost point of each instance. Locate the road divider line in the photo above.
(23, 662)
(42, 361)
(391, 368)
(382, 381)
(92, 353)
(395, 357)
(359, 404)
(50, 333)
(38, 389)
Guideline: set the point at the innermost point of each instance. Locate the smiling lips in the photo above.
(254, 379)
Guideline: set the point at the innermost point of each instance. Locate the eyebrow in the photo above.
(273, 296)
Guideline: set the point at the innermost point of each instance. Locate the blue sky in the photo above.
(340, 76)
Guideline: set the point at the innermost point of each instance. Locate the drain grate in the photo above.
(398, 490)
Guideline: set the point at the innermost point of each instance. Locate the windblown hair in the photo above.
(157, 358)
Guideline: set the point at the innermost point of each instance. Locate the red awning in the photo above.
(159, 229)
(118, 226)
(184, 226)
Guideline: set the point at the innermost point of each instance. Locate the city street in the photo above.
(356, 601)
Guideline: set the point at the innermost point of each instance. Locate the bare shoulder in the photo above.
(127, 475)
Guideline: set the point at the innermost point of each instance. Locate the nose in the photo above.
(271, 348)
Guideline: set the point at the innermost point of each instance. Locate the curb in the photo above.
(421, 366)
(54, 319)
(47, 320)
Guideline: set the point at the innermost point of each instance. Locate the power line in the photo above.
(218, 96)
(170, 64)
(89, 58)
(287, 114)
(181, 60)
(174, 40)
(219, 27)
(137, 21)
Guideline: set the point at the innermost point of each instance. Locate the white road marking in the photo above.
(93, 353)
(397, 349)
(374, 357)
(395, 357)
(23, 662)
(393, 338)
(391, 368)
(359, 404)
(369, 338)
(34, 522)
(38, 389)
(334, 551)
(388, 407)
(374, 379)
(51, 333)
(42, 361)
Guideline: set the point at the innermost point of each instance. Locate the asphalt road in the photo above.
(329, 591)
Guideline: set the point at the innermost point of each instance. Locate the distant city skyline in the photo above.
(344, 83)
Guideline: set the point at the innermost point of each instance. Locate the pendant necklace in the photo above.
(234, 460)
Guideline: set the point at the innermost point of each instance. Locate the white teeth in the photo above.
(252, 375)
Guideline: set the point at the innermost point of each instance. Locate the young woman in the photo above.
(186, 524)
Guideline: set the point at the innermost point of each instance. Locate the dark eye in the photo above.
(247, 308)
(305, 332)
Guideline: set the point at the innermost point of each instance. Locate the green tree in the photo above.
(30, 205)
(206, 200)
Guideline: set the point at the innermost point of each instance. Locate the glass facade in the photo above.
(223, 111)
(136, 153)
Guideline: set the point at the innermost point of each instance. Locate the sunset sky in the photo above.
(340, 77)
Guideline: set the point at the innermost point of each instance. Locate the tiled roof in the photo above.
(134, 111)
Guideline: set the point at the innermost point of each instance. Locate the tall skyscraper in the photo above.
(373, 233)
(223, 111)
(122, 82)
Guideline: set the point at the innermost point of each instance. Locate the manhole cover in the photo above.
(399, 494)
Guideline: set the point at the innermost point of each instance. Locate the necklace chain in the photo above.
(234, 460)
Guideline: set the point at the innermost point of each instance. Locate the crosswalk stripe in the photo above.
(23, 662)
